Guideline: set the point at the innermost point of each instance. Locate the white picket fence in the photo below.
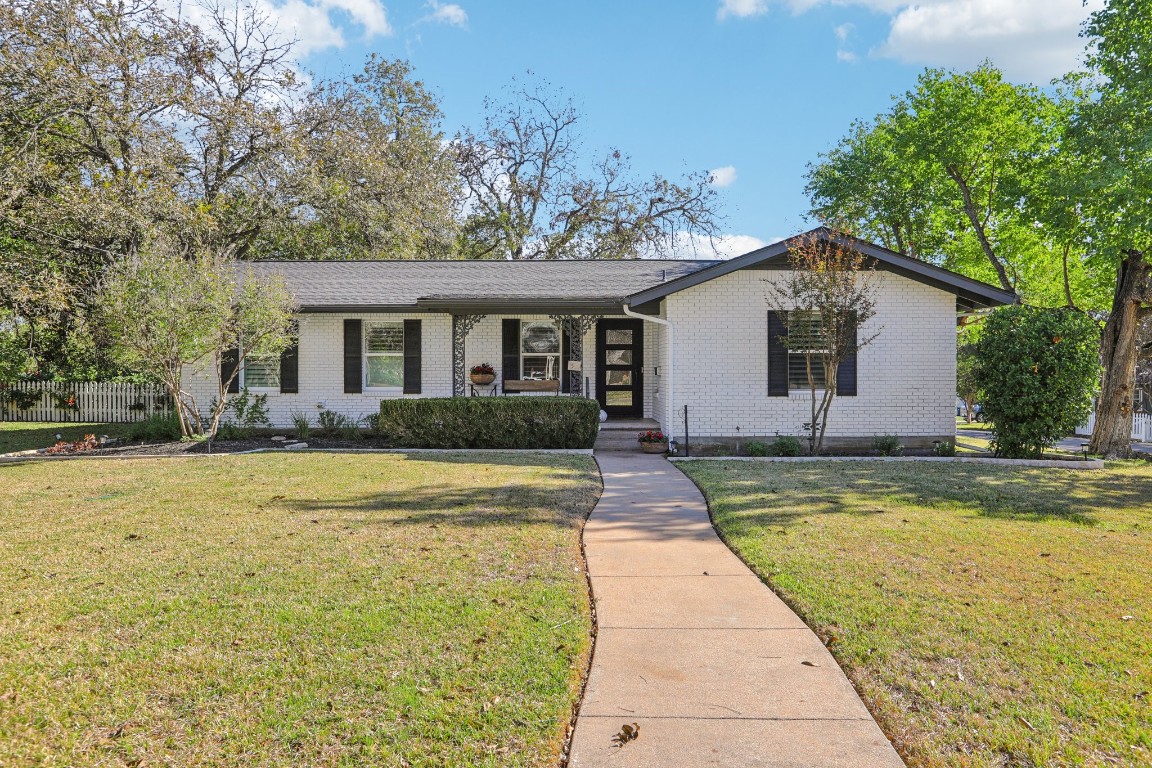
(1141, 427)
(97, 401)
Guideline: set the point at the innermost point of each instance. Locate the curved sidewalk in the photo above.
(713, 667)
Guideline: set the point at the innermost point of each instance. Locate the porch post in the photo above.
(576, 326)
(461, 326)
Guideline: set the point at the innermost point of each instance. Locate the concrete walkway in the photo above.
(712, 666)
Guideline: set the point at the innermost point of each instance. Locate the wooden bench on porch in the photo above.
(515, 386)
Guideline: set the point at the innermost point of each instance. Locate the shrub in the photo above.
(786, 446)
(158, 426)
(250, 412)
(301, 425)
(490, 422)
(756, 448)
(1038, 368)
(331, 424)
(887, 445)
(944, 448)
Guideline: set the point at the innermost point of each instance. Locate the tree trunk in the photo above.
(1112, 436)
(978, 227)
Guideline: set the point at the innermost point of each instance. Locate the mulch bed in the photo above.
(177, 448)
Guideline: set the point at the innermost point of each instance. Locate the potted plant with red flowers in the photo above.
(653, 441)
(482, 374)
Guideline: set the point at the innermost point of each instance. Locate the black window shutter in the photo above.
(510, 352)
(411, 357)
(353, 362)
(777, 357)
(229, 363)
(846, 371)
(565, 376)
(290, 369)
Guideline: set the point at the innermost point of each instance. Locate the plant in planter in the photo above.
(653, 441)
(482, 374)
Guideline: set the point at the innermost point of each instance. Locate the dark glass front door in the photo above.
(619, 361)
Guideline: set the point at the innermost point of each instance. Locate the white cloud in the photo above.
(1029, 39)
(315, 24)
(741, 9)
(691, 246)
(843, 32)
(1033, 40)
(447, 13)
(722, 177)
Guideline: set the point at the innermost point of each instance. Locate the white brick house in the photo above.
(646, 338)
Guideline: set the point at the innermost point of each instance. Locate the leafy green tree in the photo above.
(1111, 135)
(166, 310)
(968, 382)
(1038, 369)
(941, 175)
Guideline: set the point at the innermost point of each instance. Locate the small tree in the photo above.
(967, 378)
(1039, 368)
(824, 301)
(164, 311)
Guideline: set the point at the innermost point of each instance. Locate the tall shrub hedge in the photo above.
(490, 422)
(1038, 369)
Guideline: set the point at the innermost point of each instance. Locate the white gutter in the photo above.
(669, 422)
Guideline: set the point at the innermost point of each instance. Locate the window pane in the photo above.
(384, 337)
(261, 372)
(385, 370)
(618, 357)
(539, 337)
(540, 367)
(805, 332)
(798, 371)
(619, 378)
(618, 398)
(618, 337)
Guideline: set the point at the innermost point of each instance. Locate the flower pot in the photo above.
(482, 378)
(654, 447)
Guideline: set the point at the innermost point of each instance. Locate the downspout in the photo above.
(669, 423)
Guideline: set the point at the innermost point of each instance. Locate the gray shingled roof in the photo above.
(336, 285)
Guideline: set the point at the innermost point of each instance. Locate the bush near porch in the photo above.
(292, 610)
(490, 422)
(990, 616)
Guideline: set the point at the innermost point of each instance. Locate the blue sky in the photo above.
(750, 89)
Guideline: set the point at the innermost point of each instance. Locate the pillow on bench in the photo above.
(532, 385)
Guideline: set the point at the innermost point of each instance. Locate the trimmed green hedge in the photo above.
(490, 422)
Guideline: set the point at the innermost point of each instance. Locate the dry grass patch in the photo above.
(990, 616)
(276, 610)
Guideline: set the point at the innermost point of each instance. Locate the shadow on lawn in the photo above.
(784, 494)
(562, 498)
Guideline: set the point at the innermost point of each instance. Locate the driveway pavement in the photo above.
(712, 667)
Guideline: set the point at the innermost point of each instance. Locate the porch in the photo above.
(605, 357)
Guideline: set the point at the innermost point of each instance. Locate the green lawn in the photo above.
(26, 435)
(284, 610)
(990, 616)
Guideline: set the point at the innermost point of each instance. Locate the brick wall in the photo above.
(906, 377)
(321, 355)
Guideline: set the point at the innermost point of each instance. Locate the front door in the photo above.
(619, 361)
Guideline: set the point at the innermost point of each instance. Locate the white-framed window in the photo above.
(539, 350)
(260, 372)
(807, 340)
(384, 355)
